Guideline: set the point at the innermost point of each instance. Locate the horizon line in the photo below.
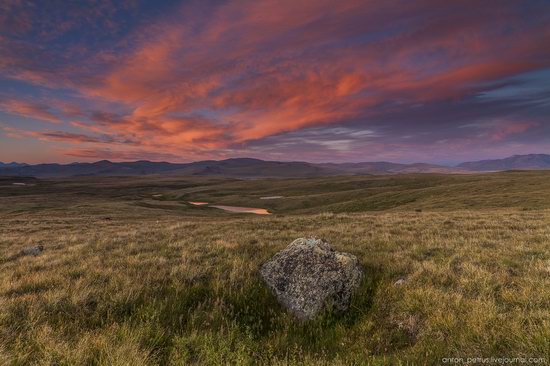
(264, 160)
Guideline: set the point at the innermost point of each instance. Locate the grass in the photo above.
(169, 283)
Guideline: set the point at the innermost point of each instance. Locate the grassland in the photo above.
(133, 275)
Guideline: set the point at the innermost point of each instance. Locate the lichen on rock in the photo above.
(309, 275)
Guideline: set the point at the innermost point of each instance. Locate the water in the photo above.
(254, 210)
(257, 211)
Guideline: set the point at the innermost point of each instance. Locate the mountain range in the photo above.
(11, 165)
(531, 161)
(248, 167)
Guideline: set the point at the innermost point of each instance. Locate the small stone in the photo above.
(309, 275)
(399, 282)
(32, 250)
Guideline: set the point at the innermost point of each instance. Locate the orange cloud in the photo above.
(257, 90)
(212, 76)
(29, 109)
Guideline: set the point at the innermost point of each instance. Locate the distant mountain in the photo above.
(383, 167)
(531, 161)
(103, 167)
(247, 167)
(240, 167)
(255, 168)
(11, 165)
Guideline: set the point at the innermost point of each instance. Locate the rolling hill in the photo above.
(522, 162)
(256, 168)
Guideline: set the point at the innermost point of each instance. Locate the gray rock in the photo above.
(309, 275)
(32, 250)
(399, 282)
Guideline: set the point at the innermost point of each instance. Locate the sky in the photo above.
(310, 80)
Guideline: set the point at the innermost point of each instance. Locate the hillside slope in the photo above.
(531, 161)
(256, 168)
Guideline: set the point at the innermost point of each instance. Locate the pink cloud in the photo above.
(214, 77)
(260, 91)
(118, 155)
(502, 132)
(29, 109)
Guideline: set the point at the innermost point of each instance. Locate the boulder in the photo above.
(309, 275)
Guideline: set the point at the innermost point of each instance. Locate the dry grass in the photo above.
(157, 286)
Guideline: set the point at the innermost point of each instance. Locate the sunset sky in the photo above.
(339, 80)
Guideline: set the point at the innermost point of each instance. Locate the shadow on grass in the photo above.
(253, 312)
(164, 313)
(256, 312)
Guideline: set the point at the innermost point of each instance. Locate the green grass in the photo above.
(163, 282)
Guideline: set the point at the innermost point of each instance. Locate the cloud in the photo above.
(249, 64)
(502, 132)
(29, 109)
(81, 138)
(69, 137)
(214, 77)
(121, 155)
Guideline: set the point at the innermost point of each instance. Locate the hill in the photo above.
(246, 167)
(383, 167)
(11, 165)
(241, 167)
(531, 161)
(131, 273)
(256, 168)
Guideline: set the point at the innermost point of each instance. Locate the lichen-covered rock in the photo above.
(309, 275)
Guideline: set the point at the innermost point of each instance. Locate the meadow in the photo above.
(131, 274)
